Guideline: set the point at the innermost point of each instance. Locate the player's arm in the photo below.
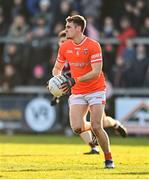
(57, 68)
(60, 61)
(95, 72)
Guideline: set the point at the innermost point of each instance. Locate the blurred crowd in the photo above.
(29, 30)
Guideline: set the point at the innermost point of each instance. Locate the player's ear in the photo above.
(78, 28)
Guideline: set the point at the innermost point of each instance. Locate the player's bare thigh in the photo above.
(96, 115)
(97, 104)
(77, 114)
(79, 105)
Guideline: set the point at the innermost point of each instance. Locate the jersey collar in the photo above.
(83, 40)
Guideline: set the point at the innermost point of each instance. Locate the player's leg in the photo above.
(96, 113)
(108, 121)
(93, 139)
(118, 127)
(77, 115)
(96, 102)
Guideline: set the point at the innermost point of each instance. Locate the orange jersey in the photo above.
(80, 57)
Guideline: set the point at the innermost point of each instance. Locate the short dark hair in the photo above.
(78, 20)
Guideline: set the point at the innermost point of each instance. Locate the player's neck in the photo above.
(79, 39)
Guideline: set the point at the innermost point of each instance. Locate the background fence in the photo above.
(28, 110)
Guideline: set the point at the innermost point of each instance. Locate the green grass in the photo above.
(59, 157)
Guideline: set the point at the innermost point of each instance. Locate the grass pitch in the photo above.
(59, 157)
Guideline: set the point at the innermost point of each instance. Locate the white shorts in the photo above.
(89, 99)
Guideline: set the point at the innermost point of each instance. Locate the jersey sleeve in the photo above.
(61, 55)
(96, 53)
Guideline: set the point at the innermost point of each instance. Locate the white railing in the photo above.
(44, 90)
(138, 40)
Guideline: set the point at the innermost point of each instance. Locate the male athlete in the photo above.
(87, 84)
(107, 120)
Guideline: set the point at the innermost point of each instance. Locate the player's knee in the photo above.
(97, 129)
(77, 131)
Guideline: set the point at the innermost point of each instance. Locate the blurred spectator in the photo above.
(18, 8)
(40, 31)
(127, 32)
(144, 30)
(136, 11)
(38, 76)
(14, 55)
(3, 30)
(18, 28)
(135, 66)
(40, 51)
(139, 67)
(118, 72)
(46, 12)
(77, 6)
(7, 6)
(91, 29)
(109, 29)
(91, 8)
(64, 10)
(59, 26)
(10, 78)
(129, 53)
(109, 60)
(32, 7)
(3, 23)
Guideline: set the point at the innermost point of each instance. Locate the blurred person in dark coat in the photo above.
(139, 66)
(9, 79)
(144, 30)
(40, 51)
(14, 55)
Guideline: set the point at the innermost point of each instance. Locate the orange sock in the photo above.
(108, 156)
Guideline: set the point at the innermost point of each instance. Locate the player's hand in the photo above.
(54, 101)
(66, 86)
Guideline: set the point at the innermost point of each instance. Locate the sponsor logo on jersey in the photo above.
(94, 56)
(69, 51)
(79, 64)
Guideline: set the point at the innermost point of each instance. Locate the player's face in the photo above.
(61, 40)
(70, 30)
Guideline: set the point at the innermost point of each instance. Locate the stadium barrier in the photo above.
(54, 40)
(28, 110)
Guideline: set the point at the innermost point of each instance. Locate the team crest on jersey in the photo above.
(85, 51)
